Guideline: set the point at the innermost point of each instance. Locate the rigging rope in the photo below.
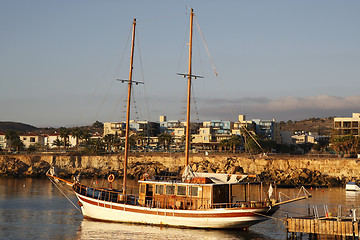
(100, 83)
(143, 78)
(117, 105)
(64, 194)
(206, 48)
(275, 218)
(216, 74)
(115, 76)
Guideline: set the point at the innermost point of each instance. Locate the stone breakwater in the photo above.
(284, 170)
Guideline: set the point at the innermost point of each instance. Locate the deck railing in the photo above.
(166, 202)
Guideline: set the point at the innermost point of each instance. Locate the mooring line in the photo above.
(53, 182)
(275, 218)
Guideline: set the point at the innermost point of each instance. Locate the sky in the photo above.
(283, 60)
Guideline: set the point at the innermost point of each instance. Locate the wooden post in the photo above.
(248, 190)
(287, 226)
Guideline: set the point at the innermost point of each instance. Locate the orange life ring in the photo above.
(111, 178)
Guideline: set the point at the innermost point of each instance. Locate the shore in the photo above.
(284, 170)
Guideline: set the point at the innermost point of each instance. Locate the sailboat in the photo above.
(197, 200)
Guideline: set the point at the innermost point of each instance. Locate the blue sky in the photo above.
(59, 60)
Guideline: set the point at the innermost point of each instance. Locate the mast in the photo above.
(128, 108)
(187, 136)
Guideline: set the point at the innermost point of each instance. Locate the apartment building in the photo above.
(347, 125)
(32, 139)
(2, 140)
(307, 137)
(148, 128)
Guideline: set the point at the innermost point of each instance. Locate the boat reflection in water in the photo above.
(104, 230)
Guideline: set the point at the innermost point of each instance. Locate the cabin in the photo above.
(198, 193)
(195, 191)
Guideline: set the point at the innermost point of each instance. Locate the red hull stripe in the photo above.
(169, 212)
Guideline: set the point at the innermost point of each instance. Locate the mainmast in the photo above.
(187, 136)
(128, 108)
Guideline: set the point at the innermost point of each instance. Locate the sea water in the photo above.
(36, 209)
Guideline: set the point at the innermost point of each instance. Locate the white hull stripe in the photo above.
(239, 212)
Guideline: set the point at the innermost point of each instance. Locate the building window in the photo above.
(181, 190)
(193, 191)
(159, 189)
(32, 139)
(170, 190)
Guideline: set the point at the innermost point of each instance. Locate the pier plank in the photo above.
(330, 227)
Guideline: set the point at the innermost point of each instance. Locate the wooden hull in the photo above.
(213, 218)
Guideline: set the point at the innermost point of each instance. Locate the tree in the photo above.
(31, 149)
(234, 142)
(267, 144)
(98, 124)
(253, 144)
(118, 142)
(132, 142)
(140, 137)
(57, 142)
(321, 144)
(85, 136)
(109, 141)
(348, 144)
(224, 143)
(64, 134)
(97, 144)
(77, 133)
(165, 139)
(14, 140)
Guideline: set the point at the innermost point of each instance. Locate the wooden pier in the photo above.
(324, 227)
(316, 227)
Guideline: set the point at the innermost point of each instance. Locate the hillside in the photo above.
(97, 127)
(322, 126)
(16, 126)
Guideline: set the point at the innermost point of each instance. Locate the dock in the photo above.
(342, 225)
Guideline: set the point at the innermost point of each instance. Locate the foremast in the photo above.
(127, 128)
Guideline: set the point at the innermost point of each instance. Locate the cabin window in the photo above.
(142, 188)
(32, 139)
(159, 189)
(170, 190)
(181, 190)
(193, 191)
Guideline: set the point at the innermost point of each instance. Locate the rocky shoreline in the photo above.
(285, 172)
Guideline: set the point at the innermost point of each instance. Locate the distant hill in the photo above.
(97, 127)
(322, 126)
(16, 126)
